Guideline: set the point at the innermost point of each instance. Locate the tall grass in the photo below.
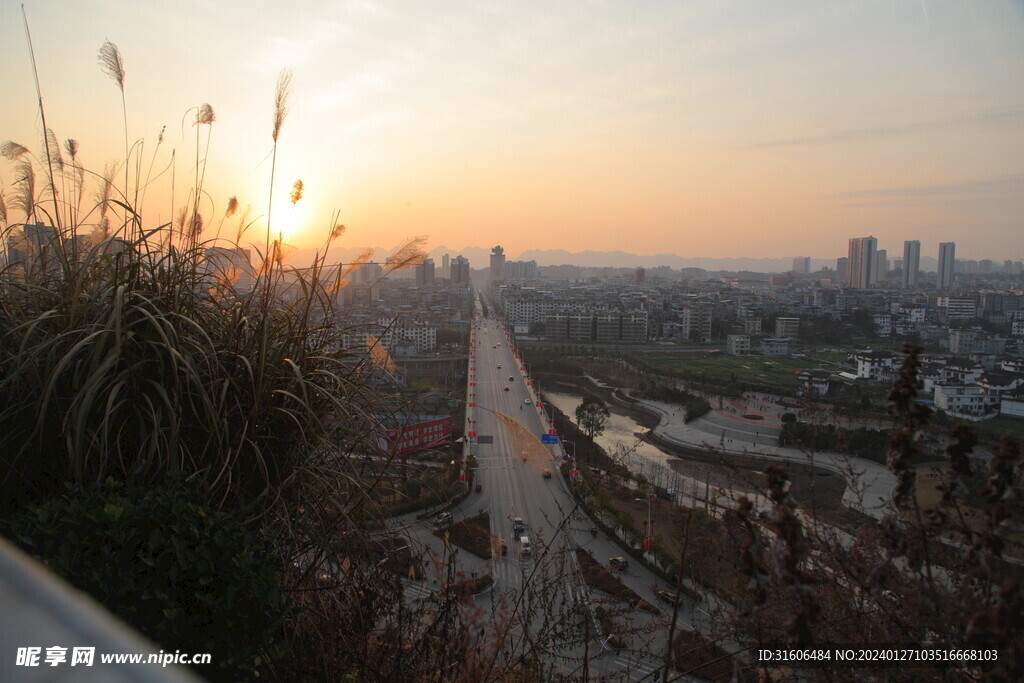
(138, 356)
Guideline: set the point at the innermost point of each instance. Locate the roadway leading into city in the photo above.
(511, 463)
(543, 588)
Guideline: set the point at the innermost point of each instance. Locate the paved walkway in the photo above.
(868, 485)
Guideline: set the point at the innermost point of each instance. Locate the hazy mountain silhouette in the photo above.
(479, 257)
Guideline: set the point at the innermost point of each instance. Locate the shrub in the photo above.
(187, 576)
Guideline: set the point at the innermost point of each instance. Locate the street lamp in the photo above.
(648, 524)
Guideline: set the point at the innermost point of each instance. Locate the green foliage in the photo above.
(592, 416)
(187, 576)
(128, 367)
(693, 405)
(862, 442)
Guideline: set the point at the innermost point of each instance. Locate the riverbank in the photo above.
(832, 488)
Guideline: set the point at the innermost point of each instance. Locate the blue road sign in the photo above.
(549, 439)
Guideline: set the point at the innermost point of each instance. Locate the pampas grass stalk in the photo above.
(282, 95)
(112, 64)
(42, 111)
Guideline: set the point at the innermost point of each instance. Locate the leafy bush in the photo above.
(862, 442)
(694, 405)
(185, 575)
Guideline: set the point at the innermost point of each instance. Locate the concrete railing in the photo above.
(39, 610)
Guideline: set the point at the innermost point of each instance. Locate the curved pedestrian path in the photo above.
(869, 485)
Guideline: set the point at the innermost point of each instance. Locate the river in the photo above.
(694, 482)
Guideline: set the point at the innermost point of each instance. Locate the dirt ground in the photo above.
(929, 477)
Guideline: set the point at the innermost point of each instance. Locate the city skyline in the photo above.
(684, 130)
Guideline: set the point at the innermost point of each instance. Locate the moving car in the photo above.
(504, 547)
(506, 388)
(668, 597)
(511, 378)
(443, 518)
(524, 546)
(619, 563)
(547, 474)
(526, 401)
(518, 525)
(499, 366)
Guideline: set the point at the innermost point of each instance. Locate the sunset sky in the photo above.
(743, 128)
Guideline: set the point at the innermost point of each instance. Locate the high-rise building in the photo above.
(911, 263)
(881, 265)
(862, 262)
(843, 270)
(947, 259)
(497, 264)
(639, 275)
(520, 271)
(460, 271)
(802, 265)
(446, 266)
(367, 273)
(425, 273)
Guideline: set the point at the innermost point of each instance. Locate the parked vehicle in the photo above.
(619, 563)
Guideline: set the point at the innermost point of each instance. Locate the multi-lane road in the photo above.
(545, 582)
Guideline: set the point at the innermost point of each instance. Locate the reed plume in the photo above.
(181, 220)
(228, 213)
(282, 95)
(25, 180)
(106, 188)
(71, 147)
(205, 115)
(196, 227)
(364, 257)
(112, 64)
(297, 192)
(243, 224)
(3, 209)
(52, 148)
(409, 254)
(12, 150)
(55, 160)
(337, 231)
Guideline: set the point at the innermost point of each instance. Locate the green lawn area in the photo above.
(991, 430)
(725, 370)
(472, 534)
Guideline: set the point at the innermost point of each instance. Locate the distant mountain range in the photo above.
(480, 257)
